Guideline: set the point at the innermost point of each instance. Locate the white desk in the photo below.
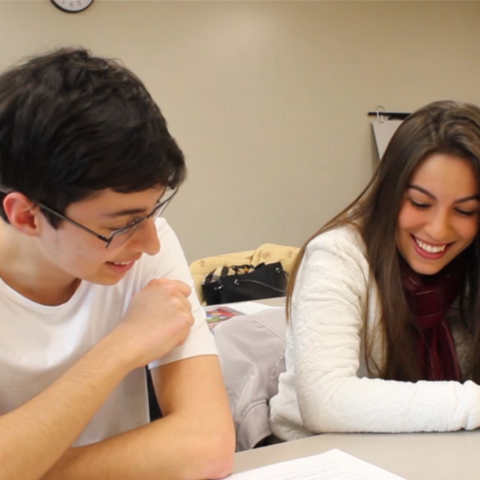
(274, 302)
(426, 456)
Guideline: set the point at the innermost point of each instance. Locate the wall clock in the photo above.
(72, 6)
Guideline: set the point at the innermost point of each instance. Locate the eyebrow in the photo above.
(130, 211)
(428, 194)
(124, 213)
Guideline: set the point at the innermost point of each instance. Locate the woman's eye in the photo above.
(419, 204)
(467, 213)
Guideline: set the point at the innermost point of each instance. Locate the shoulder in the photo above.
(165, 233)
(341, 239)
(335, 262)
(168, 262)
(341, 249)
(171, 251)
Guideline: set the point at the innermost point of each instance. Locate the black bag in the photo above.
(240, 283)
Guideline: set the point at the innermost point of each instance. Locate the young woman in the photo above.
(384, 315)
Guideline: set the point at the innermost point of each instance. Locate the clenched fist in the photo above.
(158, 319)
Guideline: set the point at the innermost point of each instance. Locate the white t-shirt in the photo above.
(39, 343)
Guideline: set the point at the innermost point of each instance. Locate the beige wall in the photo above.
(268, 99)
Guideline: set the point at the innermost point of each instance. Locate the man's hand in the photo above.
(158, 319)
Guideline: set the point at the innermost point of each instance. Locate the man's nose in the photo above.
(146, 239)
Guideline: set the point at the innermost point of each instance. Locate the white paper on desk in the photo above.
(331, 465)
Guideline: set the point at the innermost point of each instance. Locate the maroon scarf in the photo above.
(430, 297)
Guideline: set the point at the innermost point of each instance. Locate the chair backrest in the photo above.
(267, 253)
(252, 354)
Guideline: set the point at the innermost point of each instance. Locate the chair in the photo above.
(267, 253)
(251, 349)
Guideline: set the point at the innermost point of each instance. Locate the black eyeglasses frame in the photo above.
(108, 240)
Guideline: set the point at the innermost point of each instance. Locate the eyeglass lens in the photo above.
(120, 238)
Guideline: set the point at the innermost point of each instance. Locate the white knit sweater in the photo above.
(327, 387)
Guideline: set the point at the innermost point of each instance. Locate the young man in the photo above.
(94, 286)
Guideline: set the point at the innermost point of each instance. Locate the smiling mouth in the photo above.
(120, 267)
(123, 264)
(429, 248)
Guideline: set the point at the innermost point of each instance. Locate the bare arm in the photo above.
(195, 440)
(34, 436)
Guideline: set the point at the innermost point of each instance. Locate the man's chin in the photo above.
(106, 280)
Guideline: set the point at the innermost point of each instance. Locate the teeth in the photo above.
(430, 248)
(122, 264)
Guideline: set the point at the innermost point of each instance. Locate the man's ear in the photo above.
(22, 213)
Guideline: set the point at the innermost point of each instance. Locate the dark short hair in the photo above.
(72, 124)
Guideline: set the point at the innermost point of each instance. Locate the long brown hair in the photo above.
(446, 127)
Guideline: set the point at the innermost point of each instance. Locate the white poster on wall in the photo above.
(383, 132)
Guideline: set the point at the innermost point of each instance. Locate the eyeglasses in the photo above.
(120, 236)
